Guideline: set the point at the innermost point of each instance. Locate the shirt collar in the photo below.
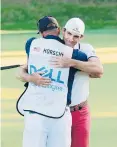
(54, 37)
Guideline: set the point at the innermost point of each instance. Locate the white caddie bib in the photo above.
(48, 100)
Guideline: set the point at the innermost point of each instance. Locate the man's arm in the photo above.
(23, 74)
(93, 66)
(98, 71)
(35, 78)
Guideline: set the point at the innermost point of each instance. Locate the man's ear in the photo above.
(63, 31)
(81, 36)
(59, 30)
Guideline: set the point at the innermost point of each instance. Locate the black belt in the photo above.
(78, 107)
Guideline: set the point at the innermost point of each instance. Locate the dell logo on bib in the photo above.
(47, 73)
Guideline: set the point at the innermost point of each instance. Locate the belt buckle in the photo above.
(77, 107)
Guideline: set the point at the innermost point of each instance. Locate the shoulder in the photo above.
(29, 41)
(28, 44)
(88, 49)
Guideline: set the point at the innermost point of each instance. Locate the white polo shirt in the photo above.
(80, 87)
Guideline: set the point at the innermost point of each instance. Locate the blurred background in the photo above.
(18, 23)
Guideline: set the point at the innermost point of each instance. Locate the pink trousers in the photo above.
(81, 127)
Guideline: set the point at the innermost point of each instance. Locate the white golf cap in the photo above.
(75, 25)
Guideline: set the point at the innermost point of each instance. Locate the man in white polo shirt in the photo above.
(78, 91)
(78, 82)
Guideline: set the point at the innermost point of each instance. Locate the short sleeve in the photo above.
(90, 51)
(27, 45)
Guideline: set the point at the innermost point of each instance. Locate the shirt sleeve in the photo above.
(89, 51)
(27, 45)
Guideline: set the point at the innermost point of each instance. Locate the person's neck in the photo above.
(50, 33)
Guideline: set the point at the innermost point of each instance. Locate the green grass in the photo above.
(98, 38)
(104, 132)
(102, 99)
(16, 42)
(103, 91)
(10, 79)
